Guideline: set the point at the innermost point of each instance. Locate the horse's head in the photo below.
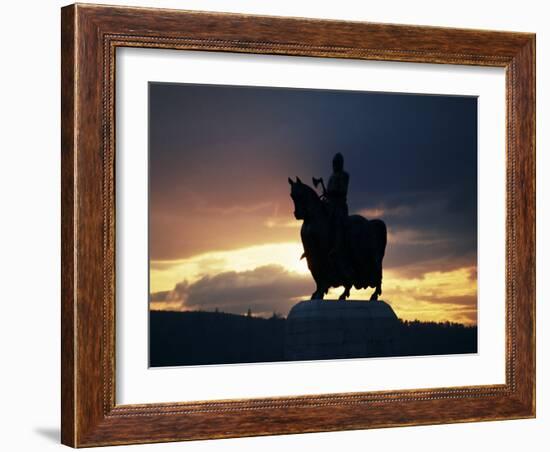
(304, 198)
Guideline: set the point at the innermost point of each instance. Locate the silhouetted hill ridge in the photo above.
(203, 337)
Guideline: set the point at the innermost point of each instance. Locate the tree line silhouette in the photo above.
(200, 338)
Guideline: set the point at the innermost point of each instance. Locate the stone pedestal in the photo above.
(326, 329)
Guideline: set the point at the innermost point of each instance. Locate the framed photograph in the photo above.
(281, 225)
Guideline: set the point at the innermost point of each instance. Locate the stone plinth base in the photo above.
(326, 329)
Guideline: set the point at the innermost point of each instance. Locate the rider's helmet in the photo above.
(338, 162)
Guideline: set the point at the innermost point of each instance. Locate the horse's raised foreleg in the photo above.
(319, 294)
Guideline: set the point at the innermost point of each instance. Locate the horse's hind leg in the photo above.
(376, 293)
(378, 290)
(345, 293)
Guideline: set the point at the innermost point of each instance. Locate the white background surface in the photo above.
(29, 186)
(138, 384)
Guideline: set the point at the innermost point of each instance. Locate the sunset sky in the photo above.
(222, 233)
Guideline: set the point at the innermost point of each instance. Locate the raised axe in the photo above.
(317, 182)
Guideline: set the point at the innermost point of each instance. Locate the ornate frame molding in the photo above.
(90, 36)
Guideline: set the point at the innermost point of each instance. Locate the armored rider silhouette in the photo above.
(336, 197)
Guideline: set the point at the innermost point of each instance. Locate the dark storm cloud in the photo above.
(161, 296)
(428, 231)
(220, 156)
(265, 289)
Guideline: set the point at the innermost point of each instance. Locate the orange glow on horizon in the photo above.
(437, 296)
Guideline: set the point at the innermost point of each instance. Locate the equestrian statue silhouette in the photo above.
(340, 249)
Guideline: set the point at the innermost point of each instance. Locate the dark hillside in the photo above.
(198, 338)
(194, 338)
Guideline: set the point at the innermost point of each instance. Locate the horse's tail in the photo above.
(379, 237)
(380, 240)
(368, 241)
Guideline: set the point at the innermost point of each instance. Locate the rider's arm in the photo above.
(338, 185)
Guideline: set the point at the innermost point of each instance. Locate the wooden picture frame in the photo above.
(90, 36)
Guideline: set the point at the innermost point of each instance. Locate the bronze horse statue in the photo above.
(362, 250)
